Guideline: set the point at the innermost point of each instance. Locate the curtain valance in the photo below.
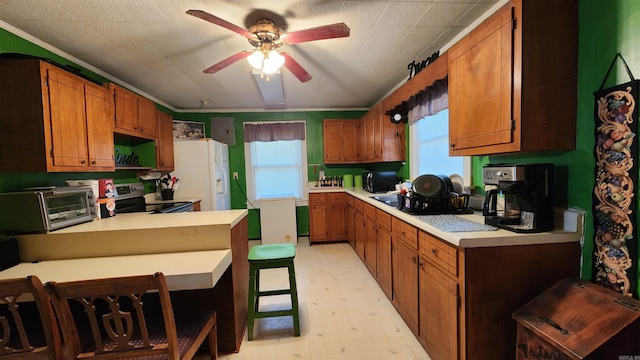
(274, 131)
(429, 101)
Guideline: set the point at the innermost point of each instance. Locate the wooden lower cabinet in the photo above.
(438, 310)
(350, 221)
(359, 227)
(327, 217)
(383, 257)
(458, 301)
(404, 262)
(370, 238)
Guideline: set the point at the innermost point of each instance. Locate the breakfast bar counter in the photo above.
(203, 256)
(183, 271)
(134, 234)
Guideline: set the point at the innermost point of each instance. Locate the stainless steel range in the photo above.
(131, 199)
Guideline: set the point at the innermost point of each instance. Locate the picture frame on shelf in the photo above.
(188, 130)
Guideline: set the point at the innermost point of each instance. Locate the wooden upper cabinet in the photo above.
(147, 118)
(382, 140)
(164, 143)
(99, 112)
(513, 81)
(67, 124)
(54, 121)
(340, 141)
(134, 115)
(366, 131)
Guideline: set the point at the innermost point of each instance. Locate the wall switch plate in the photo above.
(235, 175)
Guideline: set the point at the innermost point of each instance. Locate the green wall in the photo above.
(606, 27)
(313, 120)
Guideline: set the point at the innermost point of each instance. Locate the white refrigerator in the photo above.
(203, 169)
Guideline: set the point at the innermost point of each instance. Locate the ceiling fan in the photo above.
(266, 37)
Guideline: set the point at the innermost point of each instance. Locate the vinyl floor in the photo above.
(343, 312)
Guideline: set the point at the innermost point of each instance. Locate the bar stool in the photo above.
(271, 256)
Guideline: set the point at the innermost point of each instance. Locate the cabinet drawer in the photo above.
(406, 233)
(383, 219)
(370, 211)
(317, 198)
(336, 197)
(439, 253)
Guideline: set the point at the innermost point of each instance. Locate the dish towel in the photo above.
(453, 223)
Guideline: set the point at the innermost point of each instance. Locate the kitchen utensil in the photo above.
(357, 181)
(432, 186)
(167, 194)
(347, 180)
(458, 183)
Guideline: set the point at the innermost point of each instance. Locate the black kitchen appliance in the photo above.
(131, 199)
(519, 198)
(378, 181)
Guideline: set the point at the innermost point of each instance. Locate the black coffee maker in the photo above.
(519, 198)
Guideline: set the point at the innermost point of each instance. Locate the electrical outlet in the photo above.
(235, 175)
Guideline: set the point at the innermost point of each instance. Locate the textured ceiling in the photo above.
(155, 48)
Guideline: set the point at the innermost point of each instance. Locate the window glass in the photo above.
(276, 169)
(430, 149)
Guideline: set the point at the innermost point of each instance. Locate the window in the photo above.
(430, 149)
(276, 169)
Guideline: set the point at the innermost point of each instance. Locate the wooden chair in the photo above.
(127, 317)
(26, 326)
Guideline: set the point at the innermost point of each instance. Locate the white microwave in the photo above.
(40, 211)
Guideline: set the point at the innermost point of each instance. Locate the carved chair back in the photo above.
(126, 317)
(26, 321)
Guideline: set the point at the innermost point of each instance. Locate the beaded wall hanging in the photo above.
(616, 178)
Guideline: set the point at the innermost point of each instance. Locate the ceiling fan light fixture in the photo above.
(272, 62)
(256, 59)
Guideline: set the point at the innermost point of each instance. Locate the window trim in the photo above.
(252, 202)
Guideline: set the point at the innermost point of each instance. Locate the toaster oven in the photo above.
(45, 209)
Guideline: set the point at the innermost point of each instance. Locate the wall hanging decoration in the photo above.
(616, 178)
(188, 130)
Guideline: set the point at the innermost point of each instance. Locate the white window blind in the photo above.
(430, 148)
(276, 169)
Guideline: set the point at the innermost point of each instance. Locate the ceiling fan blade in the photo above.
(226, 62)
(318, 33)
(295, 68)
(220, 22)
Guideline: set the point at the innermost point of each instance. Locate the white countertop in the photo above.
(143, 220)
(134, 234)
(569, 226)
(183, 271)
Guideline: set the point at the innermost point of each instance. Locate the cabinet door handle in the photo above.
(434, 252)
(82, 162)
(414, 259)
